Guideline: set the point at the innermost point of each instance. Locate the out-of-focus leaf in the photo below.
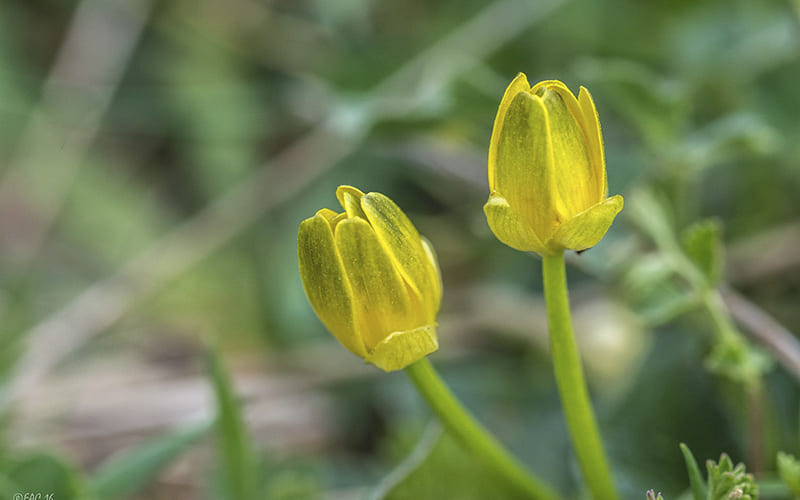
(444, 470)
(650, 213)
(740, 135)
(657, 106)
(131, 216)
(292, 485)
(695, 478)
(665, 305)
(703, 245)
(649, 283)
(7, 487)
(645, 273)
(237, 459)
(733, 357)
(738, 44)
(421, 452)
(789, 470)
(45, 474)
(123, 475)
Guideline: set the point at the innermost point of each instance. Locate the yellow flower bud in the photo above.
(547, 173)
(372, 279)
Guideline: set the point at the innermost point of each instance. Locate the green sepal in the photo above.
(510, 227)
(587, 228)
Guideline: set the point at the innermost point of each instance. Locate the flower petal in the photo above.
(509, 227)
(437, 296)
(574, 178)
(327, 213)
(402, 242)
(517, 85)
(525, 164)
(594, 136)
(352, 205)
(587, 228)
(585, 114)
(325, 283)
(400, 349)
(344, 190)
(336, 220)
(562, 90)
(380, 298)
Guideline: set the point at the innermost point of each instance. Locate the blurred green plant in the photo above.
(159, 192)
(789, 472)
(726, 481)
(238, 462)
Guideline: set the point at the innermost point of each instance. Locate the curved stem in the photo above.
(472, 435)
(571, 383)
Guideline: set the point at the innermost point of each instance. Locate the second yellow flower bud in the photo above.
(371, 278)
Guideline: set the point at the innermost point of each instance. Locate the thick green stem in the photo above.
(472, 435)
(571, 383)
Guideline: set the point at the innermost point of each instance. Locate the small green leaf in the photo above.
(695, 478)
(650, 212)
(737, 360)
(702, 242)
(125, 474)
(238, 460)
(728, 482)
(789, 470)
(45, 474)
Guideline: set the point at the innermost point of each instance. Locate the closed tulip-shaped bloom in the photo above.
(372, 280)
(547, 174)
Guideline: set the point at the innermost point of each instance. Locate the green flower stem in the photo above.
(472, 435)
(571, 383)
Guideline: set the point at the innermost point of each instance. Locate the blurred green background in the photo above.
(156, 159)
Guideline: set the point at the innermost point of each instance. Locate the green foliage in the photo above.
(439, 468)
(699, 489)
(45, 474)
(128, 472)
(226, 102)
(702, 243)
(729, 482)
(725, 481)
(292, 485)
(734, 359)
(789, 471)
(237, 460)
(698, 262)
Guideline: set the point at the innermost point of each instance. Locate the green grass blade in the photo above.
(695, 478)
(237, 459)
(125, 474)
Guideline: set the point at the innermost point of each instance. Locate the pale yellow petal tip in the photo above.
(344, 188)
(521, 78)
(326, 213)
(401, 349)
(587, 228)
